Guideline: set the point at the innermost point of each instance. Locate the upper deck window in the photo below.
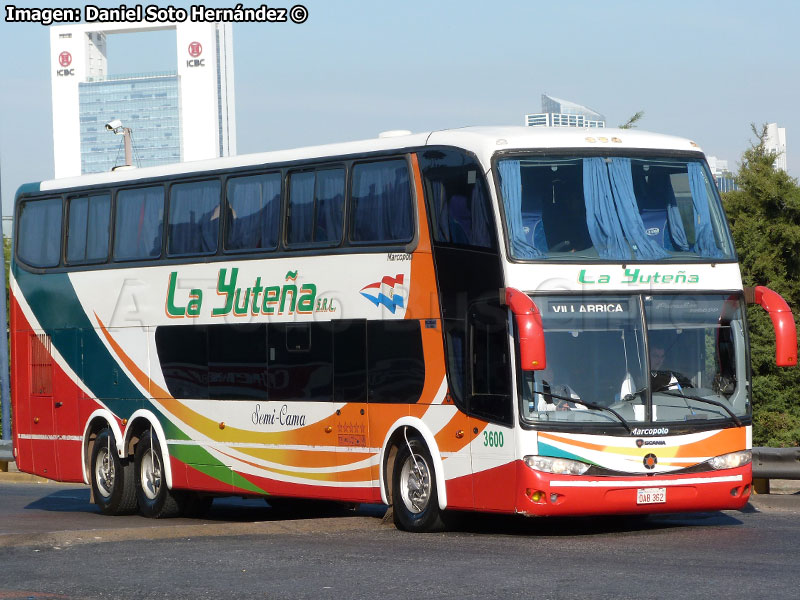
(459, 206)
(316, 206)
(253, 213)
(612, 208)
(87, 236)
(381, 203)
(139, 223)
(193, 218)
(39, 232)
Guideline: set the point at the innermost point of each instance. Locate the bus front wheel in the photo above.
(112, 479)
(414, 496)
(156, 500)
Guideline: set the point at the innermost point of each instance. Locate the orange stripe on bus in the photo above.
(355, 475)
(721, 442)
(309, 435)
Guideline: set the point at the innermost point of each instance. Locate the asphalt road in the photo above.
(54, 544)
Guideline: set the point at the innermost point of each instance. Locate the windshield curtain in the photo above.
(658, 358)
(611, 208)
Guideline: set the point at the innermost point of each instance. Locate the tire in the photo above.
(113, 488)
(415, 501)
(155, 499)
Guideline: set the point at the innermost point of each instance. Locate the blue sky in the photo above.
(700, 69)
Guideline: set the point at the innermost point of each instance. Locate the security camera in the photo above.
(112, 125)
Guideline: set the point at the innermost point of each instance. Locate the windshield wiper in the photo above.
(680, 394)
(591, 405)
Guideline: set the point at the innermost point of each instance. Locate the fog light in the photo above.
(535, 495)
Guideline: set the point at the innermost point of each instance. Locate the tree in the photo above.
(631, 123)
(764, 214)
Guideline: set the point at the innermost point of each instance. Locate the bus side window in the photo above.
(253, 212)
(458, 202)
(237, 361)
(300, 357)
(89, 218)
(316, 207)
(193, 218)
(381, 207)
(139, 223)
(490, 377)
(39, 232)
(396, 364)
(349, 360)
(183, 357)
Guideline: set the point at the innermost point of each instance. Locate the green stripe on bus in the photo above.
(200, 459)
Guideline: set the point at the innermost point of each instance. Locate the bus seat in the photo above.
(533, 227)
(460, 216)
(655, 225)
(651, 196)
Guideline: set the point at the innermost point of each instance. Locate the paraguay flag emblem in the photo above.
(388, 292)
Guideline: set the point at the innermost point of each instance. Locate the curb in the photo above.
(17, 477)
(10, 474)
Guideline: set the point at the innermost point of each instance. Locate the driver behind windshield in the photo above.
(662, 378)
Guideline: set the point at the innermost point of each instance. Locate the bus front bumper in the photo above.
(546, 494)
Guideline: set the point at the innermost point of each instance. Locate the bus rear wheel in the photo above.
(414, 496)
(113, 488)
(156, 500)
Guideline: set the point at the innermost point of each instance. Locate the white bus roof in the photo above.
(482, 141)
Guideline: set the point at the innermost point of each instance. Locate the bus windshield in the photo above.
(611, 208)
(651, 358)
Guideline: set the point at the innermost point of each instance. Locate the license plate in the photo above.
(651, 495)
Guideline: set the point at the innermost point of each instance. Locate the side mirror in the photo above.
(532, 355)
(782, 321)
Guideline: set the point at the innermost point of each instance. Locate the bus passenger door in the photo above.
(490, 407)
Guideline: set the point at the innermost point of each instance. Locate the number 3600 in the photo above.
(493, 439)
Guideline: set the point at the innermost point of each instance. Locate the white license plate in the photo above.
(651, 495)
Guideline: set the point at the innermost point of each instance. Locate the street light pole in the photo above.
(4, 388)
(126, 131)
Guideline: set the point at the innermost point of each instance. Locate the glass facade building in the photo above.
(146, 103)
(560, 120)
(563, 113)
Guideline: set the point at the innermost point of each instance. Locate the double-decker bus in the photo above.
(516, 320)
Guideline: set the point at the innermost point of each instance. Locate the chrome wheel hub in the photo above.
(104, 473)
(415, 484)
(150, 474)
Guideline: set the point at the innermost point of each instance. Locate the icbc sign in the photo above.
(195, 50)
(65, 60)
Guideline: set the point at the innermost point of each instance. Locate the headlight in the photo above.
(557, 466)
(732, 460)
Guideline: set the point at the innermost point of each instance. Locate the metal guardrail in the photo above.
(5, 451)
(776, 463)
